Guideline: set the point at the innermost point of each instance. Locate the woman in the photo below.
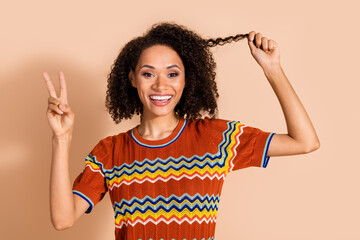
(165, 176)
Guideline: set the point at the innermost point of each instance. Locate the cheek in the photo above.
(181, 87)
(140, 92)
(141, 86)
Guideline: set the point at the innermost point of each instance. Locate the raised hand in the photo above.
(59, 114)
(265, 51)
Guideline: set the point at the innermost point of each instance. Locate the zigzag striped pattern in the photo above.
(185, 208)
(207, 166)
(174, 208)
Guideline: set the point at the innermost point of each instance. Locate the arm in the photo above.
(301, 137)
(65, 208)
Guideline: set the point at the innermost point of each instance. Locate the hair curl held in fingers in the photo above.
(200, 93)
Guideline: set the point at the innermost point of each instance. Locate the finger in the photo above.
(63, 88)
(65, 108)
(49, 84)
(55, 101)
(251, 36)
(251, 45)
(258, 37)
(55, 109)
(271, 44)
(275, 45)
(264, 44)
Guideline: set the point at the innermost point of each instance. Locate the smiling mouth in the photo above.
(160, 98)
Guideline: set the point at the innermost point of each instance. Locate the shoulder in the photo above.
(109, 142)
(211, 131)
(106, 142)
(210, 126)
(102, 149)
(112, 140)
(210, 122)
(109, 148)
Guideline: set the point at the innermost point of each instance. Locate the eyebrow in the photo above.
(171, 66)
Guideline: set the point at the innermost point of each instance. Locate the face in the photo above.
(160, 79)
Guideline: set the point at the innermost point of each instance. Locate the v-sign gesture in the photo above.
(59, 114)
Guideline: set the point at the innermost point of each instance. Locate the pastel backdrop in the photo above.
(312, 196)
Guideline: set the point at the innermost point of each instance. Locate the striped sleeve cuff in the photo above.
(261, 147)
(265, 159)
(88, 200)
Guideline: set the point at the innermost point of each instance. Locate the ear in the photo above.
(131, 78)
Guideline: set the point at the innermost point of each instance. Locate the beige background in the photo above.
(312, 196)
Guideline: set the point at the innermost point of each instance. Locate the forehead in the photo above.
(159, 56)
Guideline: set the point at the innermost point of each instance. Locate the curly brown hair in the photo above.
(200, 92)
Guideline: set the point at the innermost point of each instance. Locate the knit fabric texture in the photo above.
(169, 189)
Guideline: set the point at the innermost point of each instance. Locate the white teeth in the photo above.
(160, 98)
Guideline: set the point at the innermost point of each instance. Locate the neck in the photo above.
(157, 127)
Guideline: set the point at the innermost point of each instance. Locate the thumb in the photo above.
(64, 107)
(251, 44)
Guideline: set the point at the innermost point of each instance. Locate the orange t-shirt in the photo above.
(170, 188)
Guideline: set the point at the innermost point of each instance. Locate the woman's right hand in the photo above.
(59, 114)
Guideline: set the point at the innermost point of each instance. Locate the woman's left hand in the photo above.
(265, 51)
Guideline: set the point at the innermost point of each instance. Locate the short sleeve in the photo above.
(251, 147)
(90, 184)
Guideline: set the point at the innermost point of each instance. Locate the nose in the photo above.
(160, 83)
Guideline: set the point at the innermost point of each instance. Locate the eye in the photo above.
(147, 74)
(173, 74)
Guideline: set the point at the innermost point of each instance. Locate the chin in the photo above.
(161, 112)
